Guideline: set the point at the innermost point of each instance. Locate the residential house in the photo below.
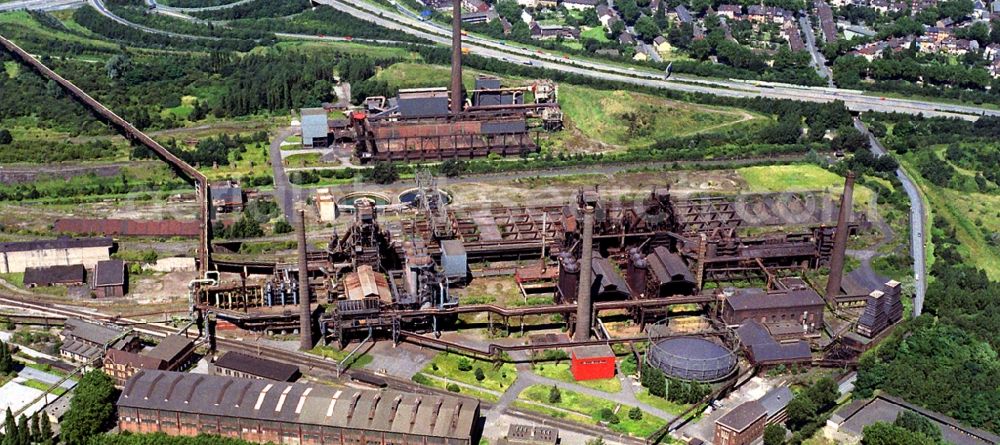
(683, 15)
(84, 342)
(826, 21)
(661, 44)
(730, 11)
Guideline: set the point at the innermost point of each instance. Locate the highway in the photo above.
(40, 5)
(853, 99)
(917, 222)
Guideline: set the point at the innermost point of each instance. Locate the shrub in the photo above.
(464, 365)
(453, 387)
(555, 395)
(635, 413)
(480, 375)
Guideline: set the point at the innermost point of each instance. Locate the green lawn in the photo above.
(800, 177)
(591, 406)
(468, 392)
(183, 110)
(446, 365)
(414, 75)
(604, 116)
(304, 160)
(16, 278)
(560, 371)
(659, 402)
(596, 33)
(554, 413)
(42, 386)
(359, 361)
(21, 19)
(11, 68)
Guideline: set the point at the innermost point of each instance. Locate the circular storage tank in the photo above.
(346, 202)
(692, 358)
(411, 196)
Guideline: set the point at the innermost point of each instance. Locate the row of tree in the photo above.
(36, 430)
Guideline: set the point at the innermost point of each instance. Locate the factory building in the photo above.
(745, 424)
(592, 362)
(181, 404)
(518, 434)
(787, 313)
(174, 352)
(235, 364)
(72, 275)
(16, 257)
(315, 130)
(227, 197)
(84, 342)
(110, 279)
(763, 350)
(660, 274)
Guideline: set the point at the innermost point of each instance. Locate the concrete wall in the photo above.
(17, 262)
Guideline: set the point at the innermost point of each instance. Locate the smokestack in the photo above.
(840, 240)
(305, 319)
(456, 57)
(583, 303)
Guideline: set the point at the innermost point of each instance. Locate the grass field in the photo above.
(970, 214)
(359, 361)
(465, 391)
(560, 371)
(596, 33)
(413, 75)
(659, 402)
(446, 365)
(304, 160)
(11, 68)
(604, 116)
(15, 278)
(800, 177)
(592, 406)
(22, 20)
(350, 48)
(183, 110)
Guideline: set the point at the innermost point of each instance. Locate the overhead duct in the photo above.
(840, 240)
(456, 57)
(584, 303)
(305, 318)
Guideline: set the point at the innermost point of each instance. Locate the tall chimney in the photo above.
(840, 240)
(456, 57)
(305, 318)
(583, 296)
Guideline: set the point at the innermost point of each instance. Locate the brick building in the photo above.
(182, 404)
(172, 353)
(84, 342)
(742, 425)
(787, 313)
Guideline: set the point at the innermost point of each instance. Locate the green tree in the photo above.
(5, 136)
(118, 66)
(647, 29)
(6, 360)
(555, 395)
(918, 424)
(282, 226)
(383, 173)
(800, 411)
(881, 433)
(453, 387)
(91, 410)
(10, 429)
(595, 441)
(823, 393)
(35, 432)
(45, 434)
(774, 434)
(480, 375)
(635, 413)
(23, 431)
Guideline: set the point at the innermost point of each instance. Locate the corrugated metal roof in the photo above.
(45, 276)
(127, 227)
(58, 243)
(109, 273)
(756, 298)
(261, 367)
(610, 279)
(386, 410)
(314, 123)
(423, 104)
(171, 348)
(765, 349)
(668, 266)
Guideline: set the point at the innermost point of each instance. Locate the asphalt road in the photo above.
(917, 223)
(41, 5)
(854, 100)
(819, 62)
(283, 189)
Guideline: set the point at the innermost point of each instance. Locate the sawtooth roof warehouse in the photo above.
(292, 413)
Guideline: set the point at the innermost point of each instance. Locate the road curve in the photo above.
(917, 222)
